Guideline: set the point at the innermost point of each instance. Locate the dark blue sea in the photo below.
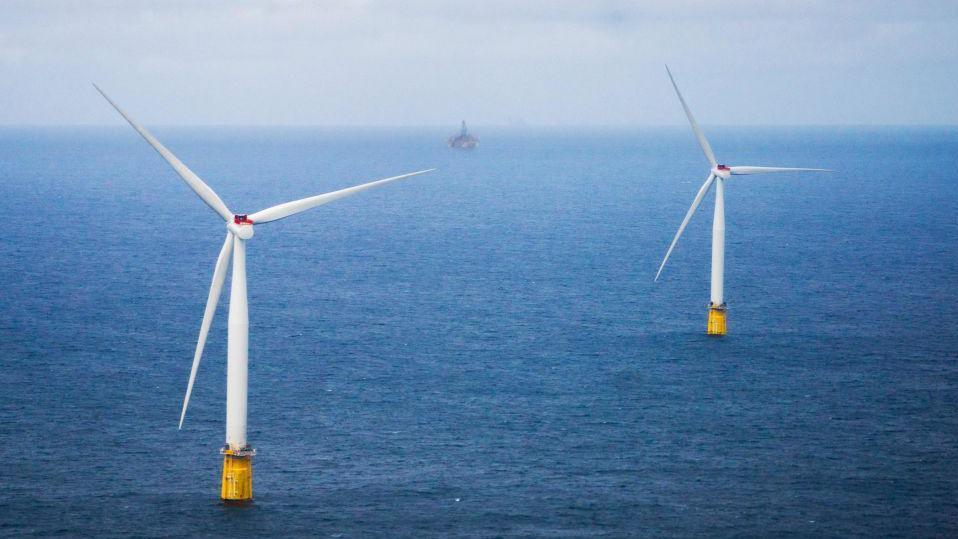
(482, 351)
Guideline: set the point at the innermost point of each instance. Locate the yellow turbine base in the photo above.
(717, 317)
(237, 476)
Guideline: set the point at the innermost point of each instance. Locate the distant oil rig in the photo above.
(463, 141)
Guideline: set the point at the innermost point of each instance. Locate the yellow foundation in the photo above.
(237, 476)
(717, 316)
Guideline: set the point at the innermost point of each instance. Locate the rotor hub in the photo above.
(241, 226)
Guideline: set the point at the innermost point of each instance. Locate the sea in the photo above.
(482, 351)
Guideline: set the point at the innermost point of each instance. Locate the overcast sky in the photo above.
(432, 62)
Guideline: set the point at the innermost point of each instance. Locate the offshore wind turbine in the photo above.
(717, 176)
(237, 478)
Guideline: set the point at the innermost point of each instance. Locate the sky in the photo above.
(493, 62)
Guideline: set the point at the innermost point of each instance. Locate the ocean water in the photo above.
(482, 351)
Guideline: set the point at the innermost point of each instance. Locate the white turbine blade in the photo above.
(219, 276)
(196, 184)
(741, 171)
(282, 211)
(695, 204)
(695, 126)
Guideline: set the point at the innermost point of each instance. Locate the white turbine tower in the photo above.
(237, 479)
(717, 175)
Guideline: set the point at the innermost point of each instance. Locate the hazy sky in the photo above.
(432, 62)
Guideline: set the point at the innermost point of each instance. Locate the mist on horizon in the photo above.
(432, 63)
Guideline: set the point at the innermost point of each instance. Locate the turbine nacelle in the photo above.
(241, 227)
(722, 171)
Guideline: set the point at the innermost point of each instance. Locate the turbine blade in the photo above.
(219, 276)
(282, 211)
(695, 204)
(196, 184)
(695, 126)
(741, 171)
